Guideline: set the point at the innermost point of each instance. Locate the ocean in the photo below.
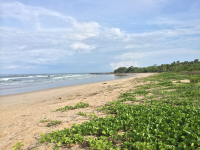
(12, 84)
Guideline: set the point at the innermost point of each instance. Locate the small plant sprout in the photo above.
(51, 122)
(43, 120)
(18, 145)
(82, 113)
(78, 105)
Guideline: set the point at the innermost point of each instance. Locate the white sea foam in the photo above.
(22, 79)
(42, 76)
(4, 79)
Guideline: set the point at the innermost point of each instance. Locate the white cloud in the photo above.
(123, 64)
(164, 33)
(137, 46)
(116, 31)
(152, 55)
(37, 18)
(21, 47)
(30, 67)
(25, 12)
(82, 46)
(12, 67)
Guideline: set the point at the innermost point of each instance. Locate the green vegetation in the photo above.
(194, 78)
(81, 105)
(82, 113)
(18, 145)
(173, 67)
(51, 122)
(45, 120)
(92, 115)
(168, 119)
(78, 105)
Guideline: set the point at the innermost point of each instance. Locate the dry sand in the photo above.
(20, 114)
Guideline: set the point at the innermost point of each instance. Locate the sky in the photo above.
(84, 36)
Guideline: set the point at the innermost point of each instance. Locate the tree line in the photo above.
(173, 67)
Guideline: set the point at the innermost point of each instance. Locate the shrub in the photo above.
(194, 78)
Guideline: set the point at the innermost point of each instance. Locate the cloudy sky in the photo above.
(81, 36)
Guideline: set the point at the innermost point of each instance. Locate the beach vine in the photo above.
(166, 117)
(78, 105)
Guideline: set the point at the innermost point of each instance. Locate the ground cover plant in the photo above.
(78, 105)
(18, 145)
(45, 120)
(82, 114)
(195, 79)
(51, 122)
(169, 119)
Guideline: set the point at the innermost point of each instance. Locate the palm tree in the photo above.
(178, 63)
(162, 67)
(167, 67)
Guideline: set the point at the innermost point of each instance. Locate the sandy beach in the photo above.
(20, 114)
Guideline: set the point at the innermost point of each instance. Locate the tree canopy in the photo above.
(173, 67)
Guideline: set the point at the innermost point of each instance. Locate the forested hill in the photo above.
(173, 67)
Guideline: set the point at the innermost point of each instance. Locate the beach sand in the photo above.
(20, 114)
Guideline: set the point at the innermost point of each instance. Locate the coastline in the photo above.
(36, 82)
(45, 94)
(21, 113)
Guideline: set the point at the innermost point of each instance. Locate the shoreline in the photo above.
(52, 83)
(21, 113)
(25, 97)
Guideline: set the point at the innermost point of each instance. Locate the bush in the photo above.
(194, 78)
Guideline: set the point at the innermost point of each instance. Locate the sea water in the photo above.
(12, 84)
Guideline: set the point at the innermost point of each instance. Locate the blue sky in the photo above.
(82, 36)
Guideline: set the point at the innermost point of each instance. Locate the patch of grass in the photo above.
(65, 108)
(141, 92)
(45, 120)
(149, 86)
(18, 145)
(82, 114)
(78, 105)
(93, 93)
(93, 116)
(52, 123)
(194, 78)
(81, 105)
(166, 83)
